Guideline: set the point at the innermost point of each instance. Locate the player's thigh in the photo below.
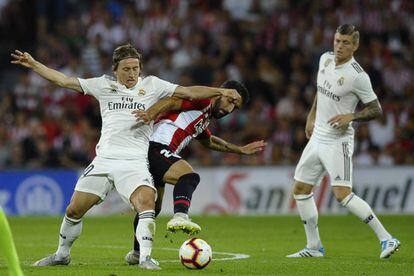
(133, 182)
(96, 179)
(309, 169)
(337, 159)
(161, 160)
(177, 170)
(80, 203)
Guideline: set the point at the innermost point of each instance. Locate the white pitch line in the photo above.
(233, 256)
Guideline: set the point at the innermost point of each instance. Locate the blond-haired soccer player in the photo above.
(341, 84)
(121, 153)
(7, 247)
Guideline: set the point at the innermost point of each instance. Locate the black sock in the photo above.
(136, 243)
(183, 192)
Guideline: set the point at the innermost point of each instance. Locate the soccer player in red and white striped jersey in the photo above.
(173, 131)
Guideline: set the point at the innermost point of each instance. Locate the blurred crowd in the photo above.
(272, 46)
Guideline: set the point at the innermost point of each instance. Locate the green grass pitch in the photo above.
(352, 249)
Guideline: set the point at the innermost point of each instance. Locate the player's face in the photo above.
(224, 106)
(128, 71)
(344, 48)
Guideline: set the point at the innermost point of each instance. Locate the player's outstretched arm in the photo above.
(218, 144)
(165, 104)
(204, 92)
(58, 78)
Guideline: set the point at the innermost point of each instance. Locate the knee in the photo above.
(191, 178)
(302, 189)
(341, 193)
(143, 199)
(74, 212)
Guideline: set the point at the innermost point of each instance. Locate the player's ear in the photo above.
(356, 45)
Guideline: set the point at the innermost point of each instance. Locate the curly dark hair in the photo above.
(241, 89)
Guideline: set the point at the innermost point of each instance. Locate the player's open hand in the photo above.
(231, 93)
(254, 147)
(341, 121)
(24, 59)
(142, 116)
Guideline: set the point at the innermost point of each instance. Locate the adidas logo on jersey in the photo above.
(338, 178)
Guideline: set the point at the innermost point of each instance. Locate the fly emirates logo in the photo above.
(325, 90)
(126, 103)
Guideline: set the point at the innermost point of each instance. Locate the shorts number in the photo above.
(166, 153)
(88, 169)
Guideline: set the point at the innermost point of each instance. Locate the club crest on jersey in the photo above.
(113, 88)
(141, 92)
(327, 62)
(341, 81)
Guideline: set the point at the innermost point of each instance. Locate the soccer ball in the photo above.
(195, 253)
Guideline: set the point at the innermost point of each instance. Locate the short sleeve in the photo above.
(164, 88)
(322, 59)
(363, 89)
(93, 86)
(206, 134)
(195, 104)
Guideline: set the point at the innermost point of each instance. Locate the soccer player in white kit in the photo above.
(341, 84)
(121, 153)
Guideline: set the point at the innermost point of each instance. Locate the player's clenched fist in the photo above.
(24, 59)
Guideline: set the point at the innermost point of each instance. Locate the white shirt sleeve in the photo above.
(163, 88)
(93, 86)
(363, 89)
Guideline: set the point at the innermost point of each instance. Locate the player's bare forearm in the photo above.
(371, 111)
(218, 144)
(56, 77)
(312, 112)
(196, 92)
(165, 104)
(204, 92)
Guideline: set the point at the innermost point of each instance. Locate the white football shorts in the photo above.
(334, 157)
(104, 174)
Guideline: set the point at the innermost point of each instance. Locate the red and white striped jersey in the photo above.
(177, 128)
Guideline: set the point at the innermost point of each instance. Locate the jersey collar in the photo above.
(344, 64)
(131, 88)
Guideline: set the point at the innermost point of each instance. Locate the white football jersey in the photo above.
(121, 137)
(340, 88)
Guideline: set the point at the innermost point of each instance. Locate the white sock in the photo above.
(181, 215)
(361, 209)
(70, 230)
(309, 215)
(145, 233)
